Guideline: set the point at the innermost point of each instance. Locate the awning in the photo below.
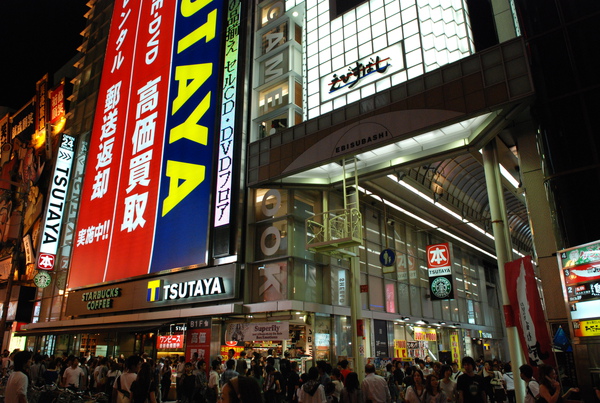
(97, 328)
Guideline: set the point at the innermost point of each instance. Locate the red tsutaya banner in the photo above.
(527, 308)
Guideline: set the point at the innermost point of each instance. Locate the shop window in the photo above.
(273, 38)
(271, 281)
(376, 294)
(339, 7)
(343, 336)
(322, 334)
(273, 125)
(308, 282)
(270, 203)
(272, 239)
(271, 99)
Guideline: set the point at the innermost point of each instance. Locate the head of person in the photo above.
(241, 389)
(243, 354)
(344, 364)
(507, 368)
(389, 367)
(547, 375)
(336, 374)
(468, 364)
(526, 372)
(22, 360)
(230, 363)
(144, 375)
(231, 353)
(432, 384)
(187, 368)
(487, 365)
(420, 363)
(75, 362)
(445, 371)
(369, 369)
(313, 374)
(133, 363)
(417, 376)
(215, 364)
(201, 365)
(454, 366)
(352, 382)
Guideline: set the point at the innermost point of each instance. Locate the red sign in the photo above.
(57, 103)
(585, 272)
(198, 339)
(438, 255)
(46, 261)
(364, 288)
(172, 341)
(528, 313)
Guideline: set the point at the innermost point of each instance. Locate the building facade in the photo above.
(214, 141)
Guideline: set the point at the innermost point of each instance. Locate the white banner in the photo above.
(257, 331)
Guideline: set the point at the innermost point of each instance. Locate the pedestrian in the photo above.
(293, 381)
(143, 388)
(165, 380)
(345, 370)
(242, 389)
(272, 385)
(550, 387)
(532, 387)
(415, 393)
(509, 381)
(433, 392)
(312, 391)
(241, 366)
(201, 381)
(212, 391)
(470, 385)
(74, 376)
(18, 381)
(375, 387)
(456, 372)
(447, 384)
(188, 384)
(351, 393)
(179, 371)
(122, 386)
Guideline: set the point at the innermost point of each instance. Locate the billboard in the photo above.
(580, 274)
(145, 203)
(439, 268)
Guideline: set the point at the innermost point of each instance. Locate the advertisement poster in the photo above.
(455, 347)
(146, 196)
(198, 339)
(400, 351)
(170, 341)
(263, 331)
(528, 313)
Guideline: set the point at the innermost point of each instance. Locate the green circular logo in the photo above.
(42, 279)
(441, 287)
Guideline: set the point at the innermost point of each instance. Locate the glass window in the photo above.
(270, 203)
(273, 98)
(376, 294)
(308, 282)
(272, 239)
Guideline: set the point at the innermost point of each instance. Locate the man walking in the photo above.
(375, 387)
(470, 385)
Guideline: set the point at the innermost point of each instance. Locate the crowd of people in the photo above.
(255, 378)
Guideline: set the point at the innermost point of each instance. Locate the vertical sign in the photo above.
(381, 338)
(439, 268)
(226, 140)
(146, 199)
(57, 200)
(4, 136)
(527, 308)
(198, 339)
(57, 103)
(455, 347)
(41, 89)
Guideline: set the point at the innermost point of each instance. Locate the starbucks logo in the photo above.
(441, 287)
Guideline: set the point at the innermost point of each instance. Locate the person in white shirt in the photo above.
(18, 382)
(509, 382)
(375, 387)
(455, 372)
(73, 376)
(124, 381)
(532, 389)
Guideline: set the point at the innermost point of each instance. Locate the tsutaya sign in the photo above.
(146, 197)
(385, 62)
(439, 267)
(56, 204)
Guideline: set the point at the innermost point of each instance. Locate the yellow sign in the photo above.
(587, 328)
(400, 349)
(423, 334)
(455, 347)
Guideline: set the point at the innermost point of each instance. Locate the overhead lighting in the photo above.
(405, 318)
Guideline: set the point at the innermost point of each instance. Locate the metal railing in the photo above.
(334, 231)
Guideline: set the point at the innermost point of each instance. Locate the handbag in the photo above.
(123, 396)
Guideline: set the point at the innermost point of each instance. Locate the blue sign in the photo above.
(387, 257)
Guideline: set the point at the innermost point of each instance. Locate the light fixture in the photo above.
(295, 14)
(405, 318)
(442, 323)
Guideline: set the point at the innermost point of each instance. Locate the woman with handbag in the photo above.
(143, 389)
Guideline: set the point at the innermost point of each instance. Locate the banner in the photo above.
(257, 331)
(525, 301)
(198, 339)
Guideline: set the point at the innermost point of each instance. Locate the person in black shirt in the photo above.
(470, 385)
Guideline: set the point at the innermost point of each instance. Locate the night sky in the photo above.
(36, 37)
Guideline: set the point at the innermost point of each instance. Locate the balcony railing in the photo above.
(334, 232)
